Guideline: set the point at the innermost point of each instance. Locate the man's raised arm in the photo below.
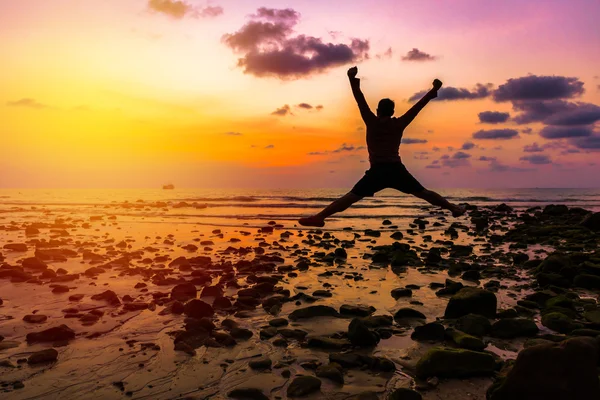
(414, 110)
(365, 111)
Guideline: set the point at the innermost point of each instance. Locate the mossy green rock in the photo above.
(514, 327)
(455, 363)
(471, 300)
(464, 340)
(587, 281)
(559, 322)
(473, 324)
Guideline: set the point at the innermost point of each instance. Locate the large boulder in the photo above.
(472, 300)
(560, 322)
(455, 363)
(554, 371)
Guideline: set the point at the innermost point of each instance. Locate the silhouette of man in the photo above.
(384, 133)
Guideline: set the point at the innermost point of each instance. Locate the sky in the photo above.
(254, 94)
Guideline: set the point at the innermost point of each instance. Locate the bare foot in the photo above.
(312, 221)
(458, 211)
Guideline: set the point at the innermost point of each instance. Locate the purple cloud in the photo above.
(283, 111)
(413, 141)
(493, 117)
(269, 49)
(563, 132)
(493, 134)
(451, 93)
(467, 146)
(417, 55)
(535, 87)
(587, 143)
(533, 148)
(537, 159)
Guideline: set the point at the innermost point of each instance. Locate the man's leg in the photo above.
(337, 206)
(433, 198)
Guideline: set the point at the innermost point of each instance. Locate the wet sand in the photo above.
(127, 347)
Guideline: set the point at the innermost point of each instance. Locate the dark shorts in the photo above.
(382, 176)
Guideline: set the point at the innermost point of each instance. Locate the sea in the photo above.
(247, 207)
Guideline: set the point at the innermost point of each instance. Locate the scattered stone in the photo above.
(332, 371)
(35, 318)
(401, 292)
(408, 313)
(559, 322)
(43, 356)
(303, 385)
(405, 394)
(514, 327)
(108, 296)
(261, 363)
(465, 341)
(247, 394)
(433, 331)
(184, 292)
(455, 363)
(56, 334)
(359, 311)
(360, 335)
(197, 309)
(313, 311)
(472, 300)
(473, 324)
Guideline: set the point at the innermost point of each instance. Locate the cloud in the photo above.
(344, 148)
(306, 106)
(537, 159)
(563, 132)
(575, 114)
(535, 87)
(533, 148)
(497, 166)
(461, 155)
(233, 133)
(486, 158)
(178, 9)
(270, 146)
(556, 112)
(319, 107)
(587, 143)
(526, 131)
(282, 111)
(458, 159)
(413, 141)
(494, 134)
(493, 117)
(417, 55)
(467, 146)
(386, 54)
(451, 93)
(26, 102)
(270, 50)
(435, 148)
(211, 11)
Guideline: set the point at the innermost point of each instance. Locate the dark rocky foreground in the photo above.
(501, 305)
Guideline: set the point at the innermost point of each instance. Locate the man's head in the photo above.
(385, 108)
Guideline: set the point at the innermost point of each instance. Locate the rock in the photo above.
(332, 371)
(408, 313)
(241, 333)
(212, 291)
(197, 309)
(459, 250)
(514, 327)
(44, 356)
(313, 311)
(261, 363)
(16, 247)
(359, 311)
(405, 394)
(60, 289)
(34, 263)
(464, 340)
(184, 292)
(559, 322)
(401, 292)
(324, 342)
(303, 385)
(397, 235)
(35, 318)
(360, 335)
(587, 281)
(56, 334)
(454, 363)
(471, 300)
(592, 221)
(473, 324)
(377, 321)
(555, 210)
(432, 331)
(278, 322)
(556, 371)
(108, 296)
(247, 394)
(471, 275)
(503, 208)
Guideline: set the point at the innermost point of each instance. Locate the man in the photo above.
(384, 133)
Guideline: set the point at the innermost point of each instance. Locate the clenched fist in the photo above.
(352, 72)
(437, 84)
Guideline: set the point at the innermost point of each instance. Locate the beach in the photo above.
(164, 294)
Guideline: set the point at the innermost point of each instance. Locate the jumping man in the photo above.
(384, 134)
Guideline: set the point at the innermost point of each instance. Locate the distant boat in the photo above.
(170, 186)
